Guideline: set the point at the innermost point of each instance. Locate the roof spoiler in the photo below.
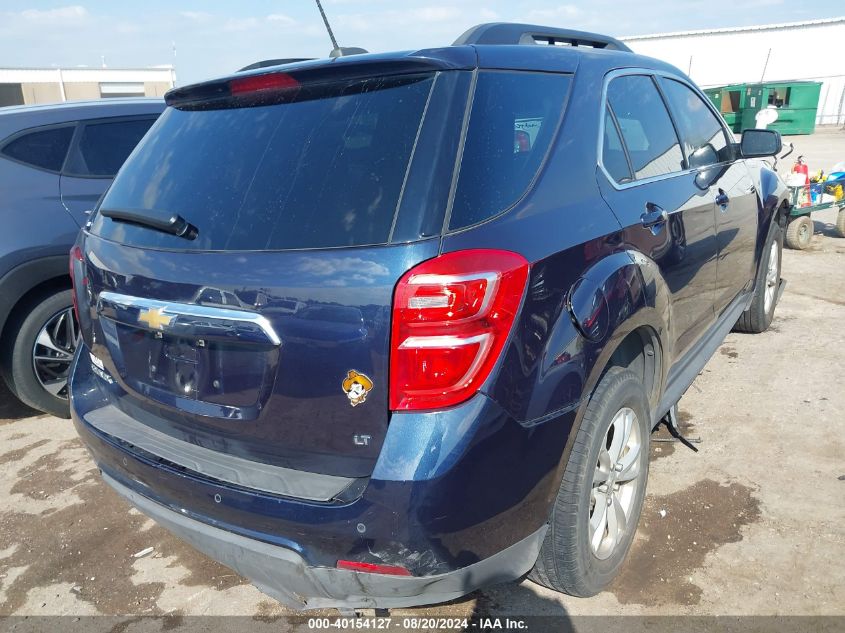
(506, 33)
(343, 51)
(267, 63)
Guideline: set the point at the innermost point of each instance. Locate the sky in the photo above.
(212, 38)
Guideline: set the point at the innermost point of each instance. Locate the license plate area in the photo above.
(181, 368)
(207, 360)
(233, 379)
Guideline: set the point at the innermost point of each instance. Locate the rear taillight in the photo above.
(521, 142)
(372, 568)
(451, 319)
(76, 268)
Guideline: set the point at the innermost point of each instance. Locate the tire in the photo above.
(840, 222)
(19, 362)
(568, 562)
(799, 232)
(758, 317)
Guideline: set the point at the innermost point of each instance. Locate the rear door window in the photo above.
(647, 130)
(323, 170)
(104, 146)
(613, 153)
(42, 148)
(703, 136)
(511, 127)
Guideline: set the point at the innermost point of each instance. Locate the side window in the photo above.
(652, 144)
(513, 119)
(702, 134)
(42, 148)
(613, 154)
(104, 146)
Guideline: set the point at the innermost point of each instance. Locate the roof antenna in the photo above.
(337, 51)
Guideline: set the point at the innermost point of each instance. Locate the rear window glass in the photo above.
(42, 148)
(104, 146)
(514, 117)
(309, 173)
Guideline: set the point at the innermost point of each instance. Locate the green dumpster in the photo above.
(796, 102)
(729, 100)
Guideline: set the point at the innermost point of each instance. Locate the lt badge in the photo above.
(356, 386)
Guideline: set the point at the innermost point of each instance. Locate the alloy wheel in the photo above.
(771, 278)
(53, 352)
(615, 483)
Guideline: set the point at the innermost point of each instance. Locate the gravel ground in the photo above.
(750, 525)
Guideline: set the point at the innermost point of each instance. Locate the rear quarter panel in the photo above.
(35, 224)
(37, 229)
(568, 233)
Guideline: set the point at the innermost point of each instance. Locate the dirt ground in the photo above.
(750, 525)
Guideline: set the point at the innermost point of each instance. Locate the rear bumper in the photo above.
(459, 498)
(284, 575)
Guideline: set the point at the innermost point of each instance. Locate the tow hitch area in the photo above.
(671, 422)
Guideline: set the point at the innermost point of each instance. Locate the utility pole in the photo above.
(61, 84)
(173, 66)
(766, 65)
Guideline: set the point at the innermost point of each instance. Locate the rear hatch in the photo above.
(263, 332)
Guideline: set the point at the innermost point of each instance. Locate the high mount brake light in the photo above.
(451, 319)
(259, 83)
(76, 258)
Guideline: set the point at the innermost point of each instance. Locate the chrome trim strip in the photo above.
(443, 342)
(192, 316)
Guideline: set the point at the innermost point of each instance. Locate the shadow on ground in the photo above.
(11, 408)
(547, 614)
(828, 229)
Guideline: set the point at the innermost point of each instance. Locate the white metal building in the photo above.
(19, 86)
(794, 51)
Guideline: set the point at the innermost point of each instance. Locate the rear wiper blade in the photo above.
(163, 221)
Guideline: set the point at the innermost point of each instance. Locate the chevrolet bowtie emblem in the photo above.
(155, 318)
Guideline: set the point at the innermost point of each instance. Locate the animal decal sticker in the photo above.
(356, 386)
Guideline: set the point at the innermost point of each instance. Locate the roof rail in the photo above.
(266, 63)
(509, 33)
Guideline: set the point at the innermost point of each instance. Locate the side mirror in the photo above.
(703, 156)
(760, 143)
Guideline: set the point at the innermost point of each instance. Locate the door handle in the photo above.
(654, 217)
(723, 200)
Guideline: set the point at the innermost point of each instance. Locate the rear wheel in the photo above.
(36, 362)
(840, 222)
(758, 317)
(598, 505)
(799, 232)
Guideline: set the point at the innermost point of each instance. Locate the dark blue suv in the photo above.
(379, 330)
(55, 163)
